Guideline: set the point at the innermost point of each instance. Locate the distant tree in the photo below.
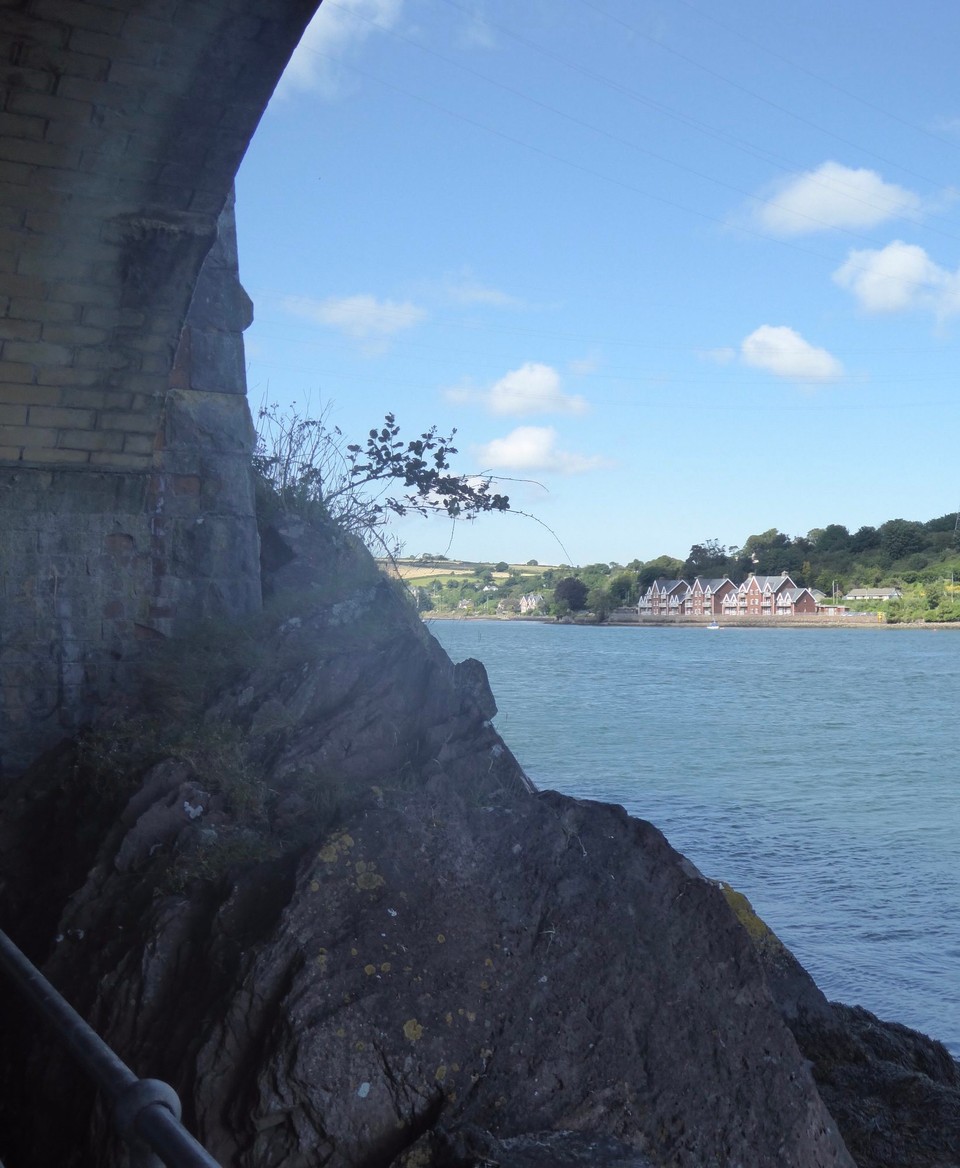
(864, 539)
(833, 538)
(532, 564)
(599, 602)
(901, 537)
(502, 566)
(623, 588)
(663, 566)
(706, 559)
(946, 522)
(572, 592)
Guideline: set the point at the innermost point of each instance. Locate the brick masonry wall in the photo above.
(125, 504)
(95, 562)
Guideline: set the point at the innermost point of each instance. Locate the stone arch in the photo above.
(125, 505)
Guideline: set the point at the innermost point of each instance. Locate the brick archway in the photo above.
(125, 507)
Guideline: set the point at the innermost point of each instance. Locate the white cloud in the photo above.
(534, 388)
(584, 366)
(534, 448)
(898, 278)
(834, 196)
(469, 292)
(334, 30)
(363, 317)
(718, 356)
(783, 352)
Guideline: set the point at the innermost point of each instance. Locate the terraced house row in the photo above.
(757, 596)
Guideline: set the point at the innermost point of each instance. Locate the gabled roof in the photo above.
(794, 593)
(716, 582)
(773, 583)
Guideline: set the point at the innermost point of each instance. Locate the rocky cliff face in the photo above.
(303, 879)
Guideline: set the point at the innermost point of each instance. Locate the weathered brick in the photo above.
(174, 75)
(48, 105)
(99, 317)
(150, 363)
(94, 399)
(151, 30)
(138, 443)
(91, 440)
(37, 352)
(122, 461)
(19, 330)
(29, 77)
(73, 334)
(29, 287)
(26, 436)
(104, 358)
(10, 453)
(81, 14)
(21, 126)
(136, 423)
(61, 416)
(30, 395)
(22, 308)
(38, 153)
(15, 372)
(96, 43)
(48, 454)
(36, 263)
(11, 415)
(70, 293)
(55, 375)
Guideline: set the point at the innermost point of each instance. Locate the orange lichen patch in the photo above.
(369, 970)
(760, 933)
(336, 846)
(412, 1030)
(367, 876)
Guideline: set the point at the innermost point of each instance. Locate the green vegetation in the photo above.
(308, 467)
(921, 559)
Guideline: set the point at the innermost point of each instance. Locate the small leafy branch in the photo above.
(309, 466)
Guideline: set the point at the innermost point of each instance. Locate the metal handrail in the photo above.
(146, 1112)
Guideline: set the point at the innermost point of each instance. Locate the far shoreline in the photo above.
(852, 621)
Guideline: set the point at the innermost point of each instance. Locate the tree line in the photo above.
(922, 559)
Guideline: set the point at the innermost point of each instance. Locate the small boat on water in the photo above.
(713, 625)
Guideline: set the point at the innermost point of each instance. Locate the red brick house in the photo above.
(705, 597)
(756, 597)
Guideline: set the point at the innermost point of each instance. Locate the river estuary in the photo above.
(816, 770)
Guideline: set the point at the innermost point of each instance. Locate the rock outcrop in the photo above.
(310, 886)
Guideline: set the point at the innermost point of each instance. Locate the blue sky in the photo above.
(685, 276)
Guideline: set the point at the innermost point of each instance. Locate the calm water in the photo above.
(818, 771)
